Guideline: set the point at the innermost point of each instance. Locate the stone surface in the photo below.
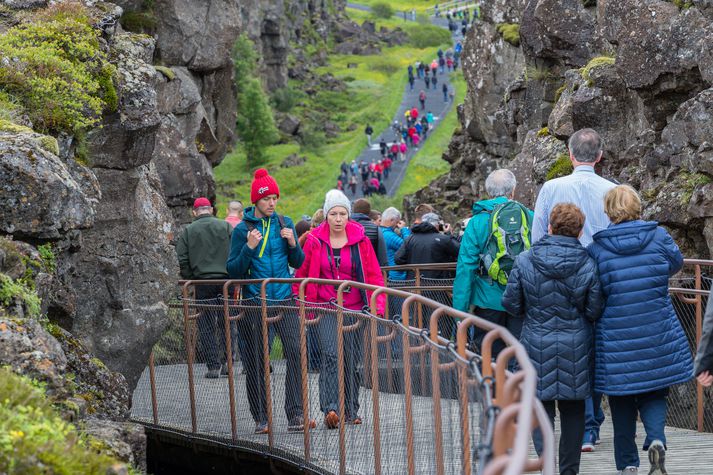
(126, 441)
(289, 125)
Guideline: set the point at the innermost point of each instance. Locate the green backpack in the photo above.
(508, 235)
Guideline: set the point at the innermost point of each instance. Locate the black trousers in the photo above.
(499, 317)
(210, 325)
(572, 431)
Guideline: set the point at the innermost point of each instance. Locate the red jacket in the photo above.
(317, 250)
(411, 131)
(414, 113)
(388, 162)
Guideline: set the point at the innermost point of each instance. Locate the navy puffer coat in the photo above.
(640, 344)
(555, 288)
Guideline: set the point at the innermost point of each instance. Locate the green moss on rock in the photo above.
(543, 132)
(166, 71)
(510, 32)
(561, 167)
(595, 63)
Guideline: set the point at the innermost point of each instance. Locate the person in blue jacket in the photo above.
(640, 347)
(554, 289)
(264, 245)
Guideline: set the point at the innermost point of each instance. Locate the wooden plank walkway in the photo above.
(689, 451)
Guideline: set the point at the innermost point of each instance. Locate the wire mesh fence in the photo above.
(332, 389)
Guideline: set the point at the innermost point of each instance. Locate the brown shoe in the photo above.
(296, 424)
(331, 420)
(354, 421)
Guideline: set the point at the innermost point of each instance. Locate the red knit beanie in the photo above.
(263, 185)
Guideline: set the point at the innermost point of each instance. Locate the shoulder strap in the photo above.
(249, 225)
(281, 220)
(356, 260)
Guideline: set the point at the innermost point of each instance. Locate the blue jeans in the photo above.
(651, 407)
(329, 375)
(593, 414)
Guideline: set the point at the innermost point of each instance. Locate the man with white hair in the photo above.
(481, 273)
(235, 213)
(395, 232)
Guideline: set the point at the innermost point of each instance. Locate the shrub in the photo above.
(382, 10)
(561, 167)
(428, 36)
(510, 32)
(56, 70)
(285, 99)
(12, 290)
(383, 65)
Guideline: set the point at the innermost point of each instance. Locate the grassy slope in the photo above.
(375, 89)
(404, 5)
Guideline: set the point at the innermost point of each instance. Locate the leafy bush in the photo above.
(510, 32)
(35, 440)
(17, 290)
(286, 98)
(382, 10)
(428, 36)
(56, 70)
(384, 65)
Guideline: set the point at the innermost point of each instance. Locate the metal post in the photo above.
(699, 332)
(266, 362)
(152, 378)
(303, 364)
(189, 361)
(229, 359)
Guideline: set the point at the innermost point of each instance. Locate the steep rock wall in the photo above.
(637, 71)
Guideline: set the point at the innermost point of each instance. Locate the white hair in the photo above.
(390, 214)
(501, 182)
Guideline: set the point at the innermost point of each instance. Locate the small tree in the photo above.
(255, 125)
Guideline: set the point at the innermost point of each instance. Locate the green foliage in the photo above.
(510, 32)
(142, 20)
(543, 132)
(382, 10)
(561, 167)
(56, 70)
(48, 258)
(256, 125)
(12, 290)
(682, 4)
(689, 183)
(423, 19)
(383, 65)
(559, 91)
(427, 36)
(596, 62)
(166, 71)
(10, 110)
(534, 73)
(35, 440)
(286, 98)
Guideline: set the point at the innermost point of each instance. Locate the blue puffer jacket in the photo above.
(271, 258)
(554, 287)
(640, 345)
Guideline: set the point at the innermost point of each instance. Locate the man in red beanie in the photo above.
(264, 245)
(202, 251)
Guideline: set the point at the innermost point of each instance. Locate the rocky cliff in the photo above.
(640, 72)
(110, 199)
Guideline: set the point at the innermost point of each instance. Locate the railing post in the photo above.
(304, 362)
(699, 331)
(152, 378)
(189, 355)
(266, 362)
(229, 360)
(436, 391)
(340, 378)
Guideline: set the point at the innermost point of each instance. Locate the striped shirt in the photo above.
(583, 188)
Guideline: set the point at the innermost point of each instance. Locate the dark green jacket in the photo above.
(203, 249)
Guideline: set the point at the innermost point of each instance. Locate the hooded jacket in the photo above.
(271, 258)
(317, 258)
(640, 344)
(554, 287)
(426, 245)
(469, 287)
(375, 236)
(704, 357)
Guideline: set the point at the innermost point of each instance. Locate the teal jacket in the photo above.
(469, 287)
(271, 258)
(203, 248)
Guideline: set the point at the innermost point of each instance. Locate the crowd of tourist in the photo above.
(581, 280)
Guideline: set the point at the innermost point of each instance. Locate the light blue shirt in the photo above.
(583, 188)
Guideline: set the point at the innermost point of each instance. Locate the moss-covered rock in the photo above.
(595, 63)
(561, 167)
(510, 32)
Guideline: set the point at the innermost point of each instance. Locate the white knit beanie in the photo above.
(336, 198)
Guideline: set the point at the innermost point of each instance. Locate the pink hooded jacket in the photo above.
(317, 264)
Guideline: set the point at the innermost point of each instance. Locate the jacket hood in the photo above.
(249, 215)
(360, 217)
(423, 228)
(355, 232)
(558, 257)
(626, 238)
(488, 205)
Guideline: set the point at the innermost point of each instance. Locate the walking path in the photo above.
(434, 103)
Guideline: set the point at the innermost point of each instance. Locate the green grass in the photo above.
(427, 164)
(374, 93)
(404, 5)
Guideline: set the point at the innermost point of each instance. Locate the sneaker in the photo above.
(261, 428)
(213, 374)
(331, 420)
(589, 441)
(657, 457)
(296, 424)
(629, 471)
(224, 370)
(355, 421)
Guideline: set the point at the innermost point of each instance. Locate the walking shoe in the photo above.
(296, 424)
(589, 441)
(657, 457)
(355, 421)
(261, 428)
(213, 373)
(224, 370)
(629, 471)
(331, 420)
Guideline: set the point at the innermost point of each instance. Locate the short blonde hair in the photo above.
(622, 203)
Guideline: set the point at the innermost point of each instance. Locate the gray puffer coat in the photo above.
(555, 287)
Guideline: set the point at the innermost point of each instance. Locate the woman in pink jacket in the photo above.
(338, 249)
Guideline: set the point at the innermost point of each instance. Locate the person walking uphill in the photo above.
(202, 251)
(554, 289)
(265, 245)
(339, 250)
(641, 349)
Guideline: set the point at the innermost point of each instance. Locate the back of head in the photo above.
(567, 219)
(301, 227)
(622, 203)
(585, 145)
(431, 218)
(390, 216)
(235, 208)
(374, 215)
(420, 210)
(501, 182)
(317, 218)
(362, 206)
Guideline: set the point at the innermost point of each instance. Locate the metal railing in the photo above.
(454, 5)
(430, 405)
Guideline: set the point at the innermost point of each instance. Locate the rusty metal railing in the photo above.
(433, 406)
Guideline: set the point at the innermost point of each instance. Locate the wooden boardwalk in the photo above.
(689, 451)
